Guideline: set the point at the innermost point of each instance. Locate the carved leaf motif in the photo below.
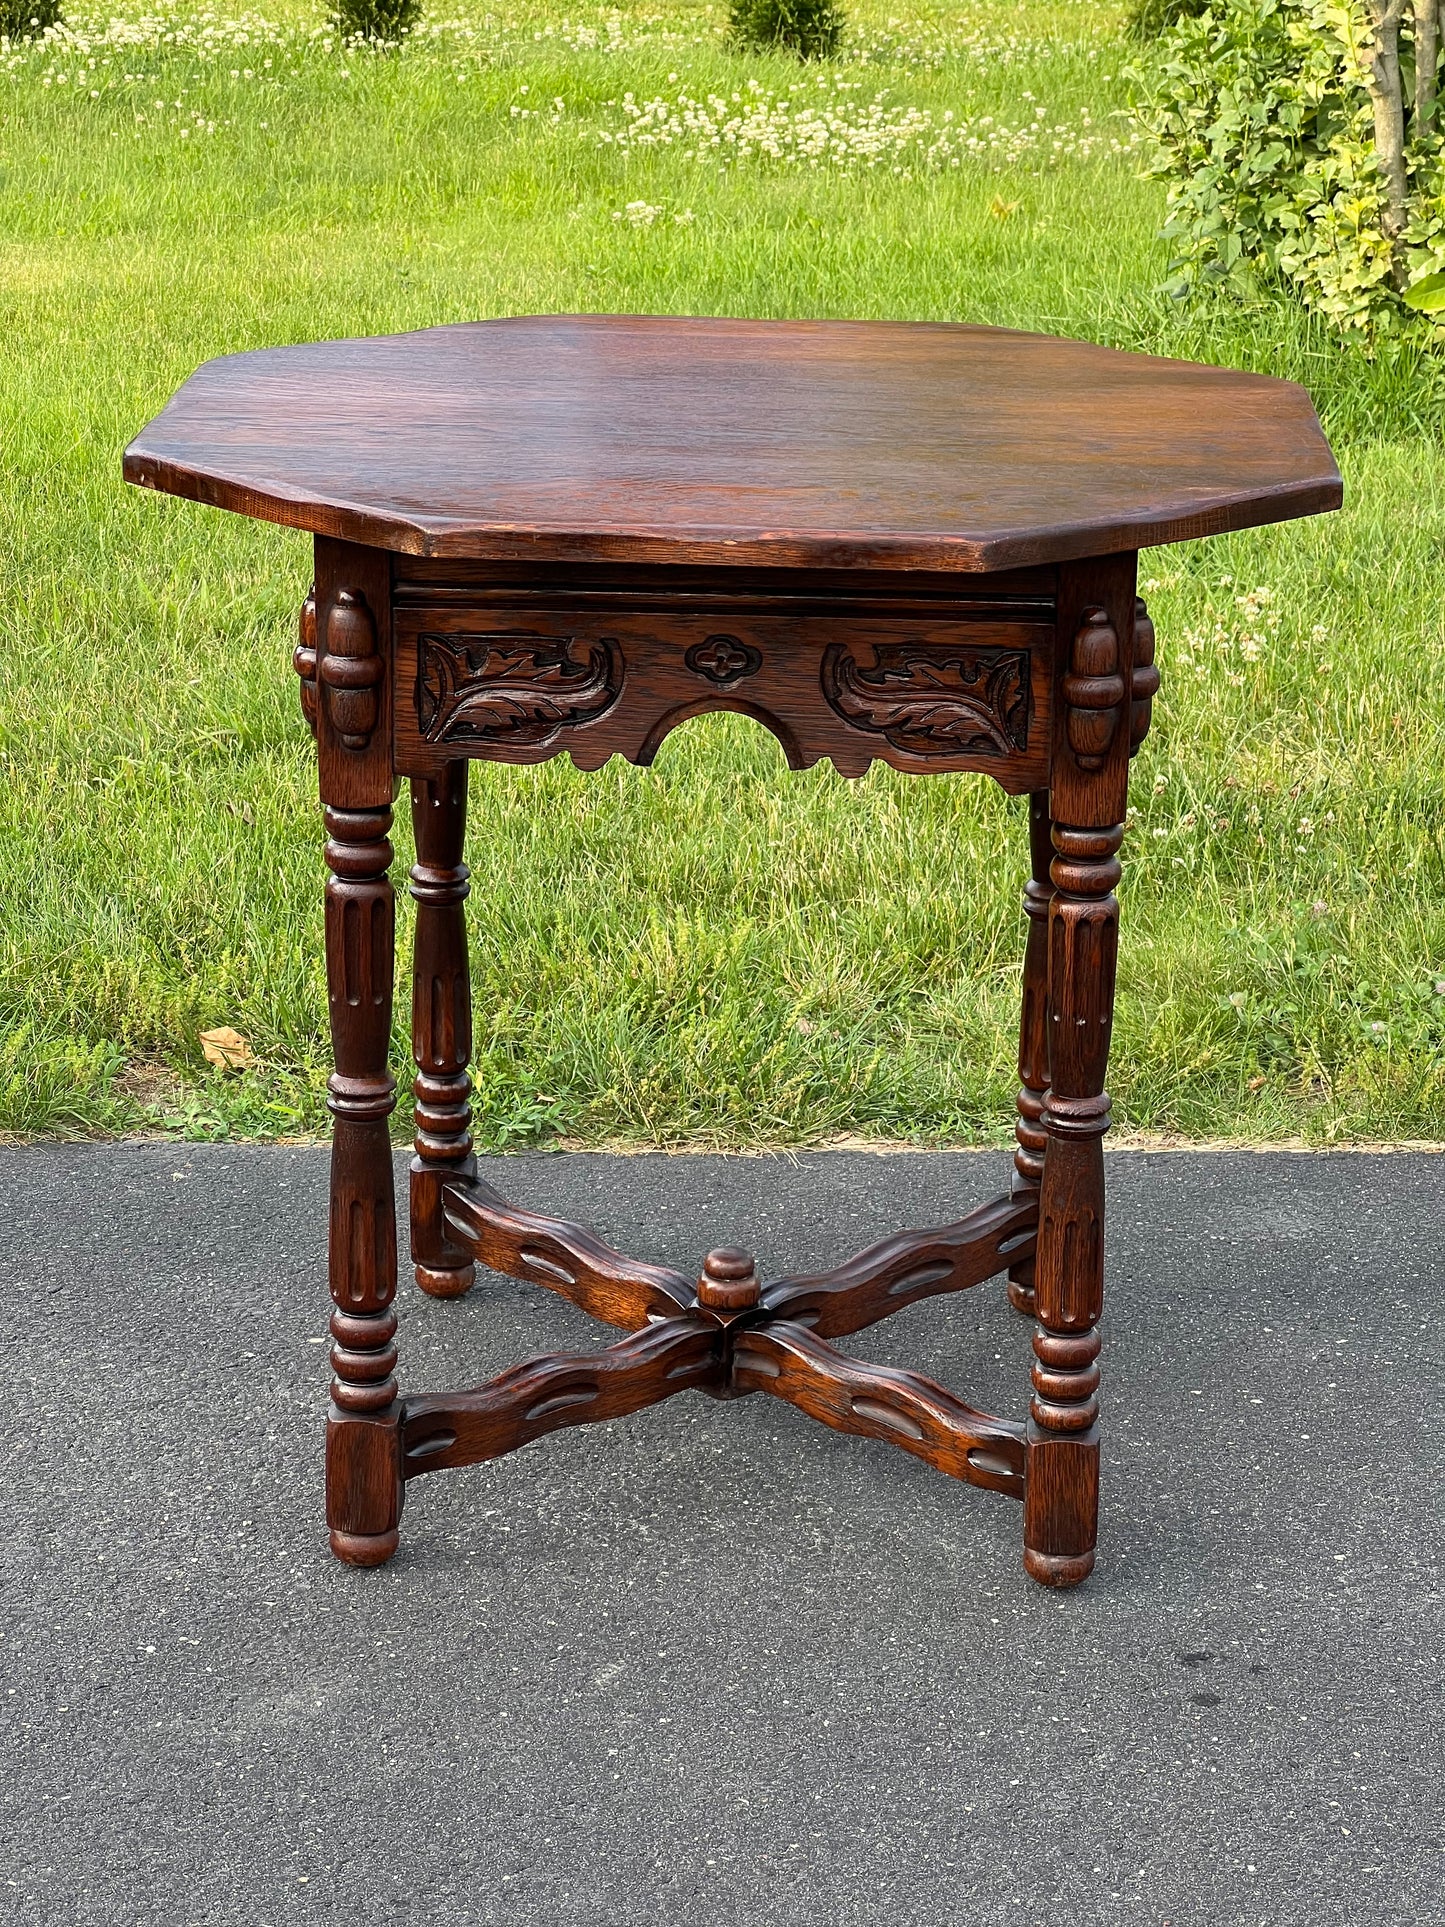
(944, 702)
(513, 687)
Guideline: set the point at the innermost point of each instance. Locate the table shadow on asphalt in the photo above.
(713, 1663)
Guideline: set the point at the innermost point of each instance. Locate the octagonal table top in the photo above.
(847, 444)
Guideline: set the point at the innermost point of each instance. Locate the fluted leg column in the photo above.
(1062, 1504)
(362, 1491)
(347, 654)
(1033, 1036)
(1086, 807)
(441, 1027)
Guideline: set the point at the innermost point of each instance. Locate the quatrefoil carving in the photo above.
(723, 660)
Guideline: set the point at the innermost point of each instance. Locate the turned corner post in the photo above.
(441, 1027)
(1093, 739)
(1033, 1036)
(353, 734)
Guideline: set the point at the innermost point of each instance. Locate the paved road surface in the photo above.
(714, 1664)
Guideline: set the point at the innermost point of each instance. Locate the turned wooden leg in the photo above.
(1086, 805)
(1062, 1502)
(1033, 1037)
(363, 1484)
(347, 631)
(441, 1027)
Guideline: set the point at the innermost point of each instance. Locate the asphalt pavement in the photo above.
(713, 1663)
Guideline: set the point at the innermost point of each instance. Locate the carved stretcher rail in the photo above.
(566, 1258)
(906, 1267)
(545, 1394)
(773, 1342)
(877, 1402)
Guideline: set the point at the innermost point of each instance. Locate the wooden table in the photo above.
(913, 543)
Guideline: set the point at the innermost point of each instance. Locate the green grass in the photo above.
(713, 949)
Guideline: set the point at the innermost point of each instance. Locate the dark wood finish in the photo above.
(728, 589)
(801, 443)
(1144, 683)
(566, 1258)
(927, 672)
(905, 1268)
(545, 1394)
(441, 1027)
(363, 1450)
(877, 1402)
(912, 544)
(1033, 1039)
(950, 689)
(303, 659)
(1086, 804)
(729, 1281)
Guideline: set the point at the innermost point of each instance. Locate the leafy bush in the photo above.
(384, 21)
(809, 28)
(27, 19)
(1299, 141)
(1147, 19)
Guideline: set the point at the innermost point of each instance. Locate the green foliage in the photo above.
(809, 28)
(27, 19)
(1427, 296)
(1264, 132)
(384, 21)
(1147, 19)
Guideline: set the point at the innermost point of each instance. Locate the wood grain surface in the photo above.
(952, 692)
(564, 1388)
(802, 443)
(569, 1259)
(877, 1402)
(909, 1266)
(441, 1028)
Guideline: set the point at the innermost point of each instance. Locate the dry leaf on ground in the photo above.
(227, 1048)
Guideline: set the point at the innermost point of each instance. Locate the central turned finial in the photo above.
(729, 1280)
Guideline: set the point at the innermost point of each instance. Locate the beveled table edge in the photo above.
(441, 537)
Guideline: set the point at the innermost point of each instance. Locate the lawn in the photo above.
(711, 950)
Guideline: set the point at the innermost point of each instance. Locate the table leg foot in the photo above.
(364, 1484)
(446, 1284)
(1059, 1570)
(365, 1548)
(1061, 1505)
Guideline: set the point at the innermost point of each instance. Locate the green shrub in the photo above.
(384, 21)
(809, 28)
(27, 19)
(1291, 153)
(1147, 19)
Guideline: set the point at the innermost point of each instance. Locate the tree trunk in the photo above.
(1382, 78)
(1427, 56)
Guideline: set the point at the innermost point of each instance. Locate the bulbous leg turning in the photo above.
(1061, 1497)
(441, 1028)
(1033, 1038)
(347, 652)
